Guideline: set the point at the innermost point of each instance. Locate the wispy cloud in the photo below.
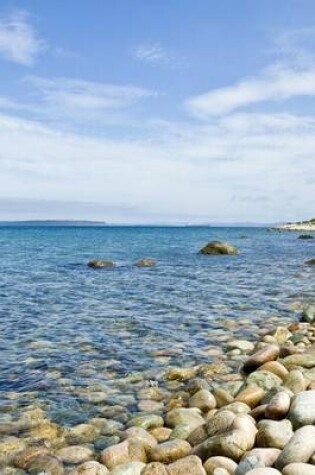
(152, 53)
(19, 41)
(73, 94)
(273, 85)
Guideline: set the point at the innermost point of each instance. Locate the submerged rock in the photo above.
(96, 264)
(145, 263)
(217, 248)
(306, 236)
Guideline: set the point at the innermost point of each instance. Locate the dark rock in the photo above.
(96, 264)
(218, 248)
(306, 236)
(310, 262)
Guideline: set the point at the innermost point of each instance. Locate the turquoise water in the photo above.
(66, 327)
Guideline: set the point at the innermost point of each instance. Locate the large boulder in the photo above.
(217, 248)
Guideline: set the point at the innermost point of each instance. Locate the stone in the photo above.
(197, 436)
(95, 264)
(188, 465)
(276, 368)
(155, 468)
(251, 395)
(184, 416)
(82, 434)
(237, 407)
(217, 248)
(24, 458)
(295, 381)
(278, 406)
(308, 314)
(246, 424)
(302, 410)
(219, 423)
(264, 379)
(161, 434)
(145, 263)
(124, 452)
(181, 432)
(300, 447)
(275, 434)
(107, 426)
(243, 345)
(281, 334)
(138, 433)
(128, 468)
(74, 454)
(267, 455)
(170, 451)
(146, 421)
(264, 471)
(45, 431)
(222, 397)
(180, 374)
(232, 444)
(195, 384)
(299, 469)
(90, 468)
(45, 465)
(249, 463)
(203, 400)
(9, 448)
(310, 262)
(304, 360)
(220, 462)
(265, 354)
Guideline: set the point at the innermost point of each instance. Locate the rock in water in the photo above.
(310, 262)
(308, 314)
(217, 248)
(306, 236)
(95, 264)
(145, 263)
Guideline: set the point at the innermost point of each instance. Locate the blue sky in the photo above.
(157, 111)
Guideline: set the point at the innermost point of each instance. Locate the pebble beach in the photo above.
(240, 401)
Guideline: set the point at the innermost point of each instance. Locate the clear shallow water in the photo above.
(67, 330)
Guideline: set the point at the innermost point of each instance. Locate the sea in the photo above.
(68, 331)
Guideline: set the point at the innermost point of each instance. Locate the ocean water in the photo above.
(67, 330)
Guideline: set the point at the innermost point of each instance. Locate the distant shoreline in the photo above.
(84, 223)
(306, 226)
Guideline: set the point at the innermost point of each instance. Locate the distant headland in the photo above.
(298, 226)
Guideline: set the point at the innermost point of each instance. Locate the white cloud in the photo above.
(272, 85)
(153, 53)
(73, 94)
(201, 172)
(18, 40)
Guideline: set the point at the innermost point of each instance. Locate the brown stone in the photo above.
(262, 356)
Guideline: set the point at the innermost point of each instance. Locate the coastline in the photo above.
(306, 226)
(188, 418)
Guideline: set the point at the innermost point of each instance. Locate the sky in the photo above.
(165, 111)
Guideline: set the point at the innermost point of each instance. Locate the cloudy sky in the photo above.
(157, 111)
